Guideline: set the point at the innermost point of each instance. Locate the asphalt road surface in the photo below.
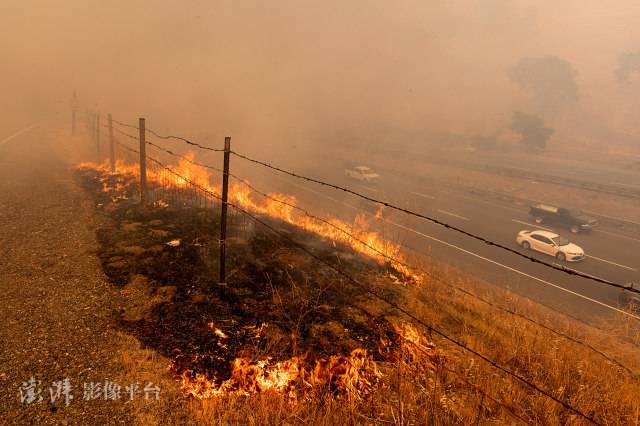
(611, 255)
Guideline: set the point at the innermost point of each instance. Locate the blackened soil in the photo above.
(278, 302)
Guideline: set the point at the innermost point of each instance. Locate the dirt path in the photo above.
(56, 305)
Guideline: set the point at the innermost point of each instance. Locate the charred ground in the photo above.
(279, 302)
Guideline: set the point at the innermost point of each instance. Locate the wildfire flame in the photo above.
(418, 346)
(375, 246)
(354, 376)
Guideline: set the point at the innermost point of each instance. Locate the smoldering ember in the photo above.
(332, 213)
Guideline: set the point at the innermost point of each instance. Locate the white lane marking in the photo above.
(18, 133)
(431, 197)
(582, 296)
(453, 214)
(531, 224)
(613, 263)
(516, 270)
(617, 235)
(478, 200)
(627, 184)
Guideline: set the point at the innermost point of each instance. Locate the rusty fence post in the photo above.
(223, 213)
(112, 156)
(143, 162)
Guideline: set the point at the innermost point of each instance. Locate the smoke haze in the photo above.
(364, 71)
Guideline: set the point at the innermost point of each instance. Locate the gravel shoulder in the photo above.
(56, 305)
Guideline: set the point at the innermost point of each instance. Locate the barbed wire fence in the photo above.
(166, 185)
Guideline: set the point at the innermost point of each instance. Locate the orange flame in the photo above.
(354, 375)
(375, 246)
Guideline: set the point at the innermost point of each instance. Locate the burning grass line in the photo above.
(430, 327)
(404, 210)
(437, 222)
(493, 363)
(399, 264)
(423, 323)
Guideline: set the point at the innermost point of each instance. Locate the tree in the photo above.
(628, 63)
(533, 133)
(551, 80)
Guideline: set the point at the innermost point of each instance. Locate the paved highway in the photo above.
(611, 255)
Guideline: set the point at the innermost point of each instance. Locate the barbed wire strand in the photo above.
(440, 223)
(131, 126)
(386, 300)
(564, 269)
(404, 311)
(180, 138)
(510, 409)
(405, 245)
(398, 261)
(135, 138)
(235, 177)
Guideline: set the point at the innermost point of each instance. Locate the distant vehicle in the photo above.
(628, 299)
(552, 244)
(363, 174)
(575, 220)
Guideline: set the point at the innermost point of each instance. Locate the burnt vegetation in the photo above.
(289, 339)
(279, 303)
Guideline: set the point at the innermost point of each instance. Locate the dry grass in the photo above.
(447, 386)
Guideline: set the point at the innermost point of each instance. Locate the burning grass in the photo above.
(273, 329)
(290, 341)
(278, 206)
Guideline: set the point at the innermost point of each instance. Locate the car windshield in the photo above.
(561, 241)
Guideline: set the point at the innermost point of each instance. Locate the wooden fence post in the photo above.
(112, 157)
(223, 214)
(143, 162)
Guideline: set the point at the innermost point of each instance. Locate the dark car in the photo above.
(575, 220)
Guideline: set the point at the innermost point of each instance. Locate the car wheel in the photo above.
(575, 229)
(538, 219)
(561, 256)
(526, 245)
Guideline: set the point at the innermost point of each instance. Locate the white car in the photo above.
(363, 174)
(552, 244)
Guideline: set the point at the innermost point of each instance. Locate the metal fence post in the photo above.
(112, 157)
(143, 162)
(223, 213)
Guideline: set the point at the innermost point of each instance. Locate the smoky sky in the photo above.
(314, 70)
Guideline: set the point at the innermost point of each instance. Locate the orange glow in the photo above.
(353, 375)
(241, 195)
